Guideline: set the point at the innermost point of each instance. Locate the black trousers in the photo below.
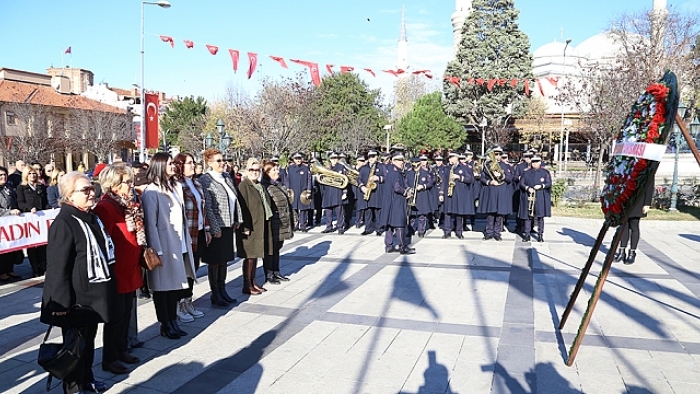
(37, 259)
(115, 334)
(494, 224)
(303, 219)
(82, 374)
(632, 231)
(197, 256)
(528, 224)
(371, 215)
(166, 304)
(339, 211)
(271, 262)
(457, 226)
(8, 261)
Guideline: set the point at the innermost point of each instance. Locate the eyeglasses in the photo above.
(128, 182)
(219, 160)
(86, 190)
(253, 170)
(33, 173)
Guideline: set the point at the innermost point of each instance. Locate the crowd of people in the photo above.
(97, 247)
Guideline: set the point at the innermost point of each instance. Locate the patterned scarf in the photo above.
(133, 217)
(261, 190)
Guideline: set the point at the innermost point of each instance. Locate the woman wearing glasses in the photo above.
(254, 236)
(193, 197)
(167, 234)
(122, 217)
(79, 288)
(31, 197)
(224, 215)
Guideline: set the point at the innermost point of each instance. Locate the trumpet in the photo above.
(329, 177)
(531, 202)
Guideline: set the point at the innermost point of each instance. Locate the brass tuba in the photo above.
(491, 166)
(352, 174)
(329, 177)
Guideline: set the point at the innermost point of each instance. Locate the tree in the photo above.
(492, 48)
(39, 133)
(181, 115)
(427, 126)
(407, 91)
(98, 132)
(536, 116)
(345, 100)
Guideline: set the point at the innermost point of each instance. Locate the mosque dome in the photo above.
(600, 47)
(549, 59)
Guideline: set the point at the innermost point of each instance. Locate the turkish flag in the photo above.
(513, 82)
(553, 80)
(480, 81)
(346, 69)
(393, 72)
(539, 85)
(168, 39)
(68, 50)
(329, 68)
(151, 120)
(189, 44)
(369, 70)
(454, 81)
(526, 83)
(235, 55)
(252, 63)
(313, 70)
(492, 81)
(212, 49)
(279, 60)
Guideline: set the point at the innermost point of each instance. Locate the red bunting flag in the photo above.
(470, 81)
(346, 69)
(513, 82)
(502, 81)
(252, 63)
(313, 70)
(151, 120)
(553, 80)
(526, 83)
(279, 60)
(235, 55)
(492, 81)
(329, 68)
(395, 73)
(68, 50)
(453, 80)
(480, 81)
(212, 49)
(539, 85)
(189, 44)
(369, 70)
(168, 39)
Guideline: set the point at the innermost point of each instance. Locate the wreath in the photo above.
(649, 121)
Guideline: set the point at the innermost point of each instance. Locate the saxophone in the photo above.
(452, 183)
(491, 166)
(371, 185)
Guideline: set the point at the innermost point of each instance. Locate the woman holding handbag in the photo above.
(122, 217)
(79, 289)
(167, 234)
(254, 236)
(224, 215)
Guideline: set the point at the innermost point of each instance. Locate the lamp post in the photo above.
(224, 138)
(387, 128)
(483, 125)
(142, 132)
(677, 136)
(561, 132)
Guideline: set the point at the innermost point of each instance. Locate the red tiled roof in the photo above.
(29, 93)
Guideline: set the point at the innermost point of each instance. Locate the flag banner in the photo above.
(252, 63)
(235, 55)
(68, 50)
(151, 120)
(212, 49)
(279, 60)
(26, 230)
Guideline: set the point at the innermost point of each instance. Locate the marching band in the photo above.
(398, 200)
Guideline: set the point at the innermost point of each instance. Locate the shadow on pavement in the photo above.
(436, 377)
(543, 378)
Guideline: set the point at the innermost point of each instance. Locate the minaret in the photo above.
(462, 10)
(402, 62)
(659, 13)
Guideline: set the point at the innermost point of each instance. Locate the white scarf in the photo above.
(97, 264)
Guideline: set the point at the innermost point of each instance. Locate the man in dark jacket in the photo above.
(299, 180)
(334, 199)
(535, 183)
(394, 219)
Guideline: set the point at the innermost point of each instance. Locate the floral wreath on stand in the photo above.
(649, 121)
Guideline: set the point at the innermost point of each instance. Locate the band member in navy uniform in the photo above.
(438, 169)
(334, 200)
(299, 181)
(415, 177)
(360, 203)
(460, 203)
(432, 192)
(538, 182)
(383, 191)
(474, 188)
(518, 171)
(349, 203)
(395, 220)
(495, 199)
(283, 171)
(374, 171)
(315, 219)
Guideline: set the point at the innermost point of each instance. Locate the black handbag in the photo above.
(60, 359)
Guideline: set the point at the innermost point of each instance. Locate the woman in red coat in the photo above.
(122, 217)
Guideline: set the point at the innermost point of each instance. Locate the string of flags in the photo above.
(314, 71)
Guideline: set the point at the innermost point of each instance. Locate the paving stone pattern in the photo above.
(459, 316)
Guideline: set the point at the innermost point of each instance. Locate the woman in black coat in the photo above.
(32, 197)
(79, 289)
(632, 230)
(8, 206)
(282, 221)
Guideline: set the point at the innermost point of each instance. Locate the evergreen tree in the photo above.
(182, 116)
(428, 127)
(492, 47)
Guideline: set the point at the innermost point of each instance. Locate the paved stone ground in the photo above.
(460, 316)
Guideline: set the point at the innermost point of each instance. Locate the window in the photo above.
(11, 118)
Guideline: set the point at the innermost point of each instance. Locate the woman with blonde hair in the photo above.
(167, 234)
(122, 217)
(52, 191)
(223, 212)
(31, 197)
(254, 236)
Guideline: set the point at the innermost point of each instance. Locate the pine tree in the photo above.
(492, 47)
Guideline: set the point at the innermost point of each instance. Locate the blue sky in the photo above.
(104, 36)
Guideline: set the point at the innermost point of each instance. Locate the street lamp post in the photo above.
(677, 136)
(142, 132)
(483, 125)
(224, 138)
(561, 132)
(387, 128)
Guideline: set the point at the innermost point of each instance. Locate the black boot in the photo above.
(620, 255)
(213, 276)
(223, 270)
(176, 327)
(166, 330)
(630, 259)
